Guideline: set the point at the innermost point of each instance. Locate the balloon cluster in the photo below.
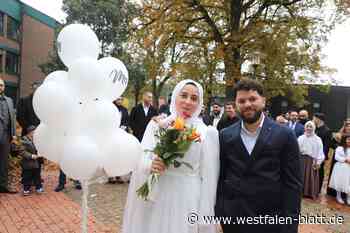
(79, 126)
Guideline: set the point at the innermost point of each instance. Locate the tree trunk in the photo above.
(232, 58)
(232, 70)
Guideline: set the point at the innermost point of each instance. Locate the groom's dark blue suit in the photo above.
(266, 182)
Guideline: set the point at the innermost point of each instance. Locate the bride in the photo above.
(180, 193)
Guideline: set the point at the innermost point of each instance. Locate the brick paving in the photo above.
(60, 212)
(50, 212)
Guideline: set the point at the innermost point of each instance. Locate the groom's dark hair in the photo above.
(247, 84)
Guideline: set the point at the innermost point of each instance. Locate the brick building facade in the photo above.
(26, 38)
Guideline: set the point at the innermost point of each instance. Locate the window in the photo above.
(1, 24)
(12, 65)
(1, 58)
(12, 28)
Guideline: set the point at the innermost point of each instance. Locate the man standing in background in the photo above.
(7, 132)
(25, 113)
(142, 114)
(124, 122)
(229, 117)
(295, 125)
(325, 134)
(303, 116)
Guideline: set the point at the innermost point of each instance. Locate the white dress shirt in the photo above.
(249, 139)
(145, 109)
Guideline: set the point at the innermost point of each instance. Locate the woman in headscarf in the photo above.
(180, 191)
(311, 149)
(340, 177)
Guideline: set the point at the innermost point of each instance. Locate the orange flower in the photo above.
(179, 124)
(194, 136)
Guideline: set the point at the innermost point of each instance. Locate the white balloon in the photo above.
(120, 153)
(55, 103)
(76, 41)
(116, 75)
(57, 76)
(85, 75)
(49, 142)
(80, 158)
(96, 119)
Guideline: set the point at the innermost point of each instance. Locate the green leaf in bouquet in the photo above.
(166, 155)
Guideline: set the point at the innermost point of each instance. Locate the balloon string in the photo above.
(85, 210)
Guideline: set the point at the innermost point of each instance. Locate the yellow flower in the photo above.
(179, 124)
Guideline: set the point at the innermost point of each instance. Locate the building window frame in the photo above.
(11, 33)
(2, 55)
(12, 66)
(2, 24)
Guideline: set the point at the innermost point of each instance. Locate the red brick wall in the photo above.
(37, 42)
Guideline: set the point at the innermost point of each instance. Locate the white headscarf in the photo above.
(311, 145)
(194, 119)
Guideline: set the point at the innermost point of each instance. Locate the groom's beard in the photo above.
(252, 119)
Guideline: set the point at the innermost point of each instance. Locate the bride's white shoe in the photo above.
(340, 199)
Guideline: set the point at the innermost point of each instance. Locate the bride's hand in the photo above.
(158, 166)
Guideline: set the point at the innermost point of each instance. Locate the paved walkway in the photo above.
(50, 212)
(60, 212)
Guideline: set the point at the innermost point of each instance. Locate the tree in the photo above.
(53, 63)
(286, 35)
(109, 19)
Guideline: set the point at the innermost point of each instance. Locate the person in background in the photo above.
(281, 120)
(229, 117)
(303, 116)
(215, 114)
(295, 125)
(311, 150)
(336, 141)
(163, 106)
(25, 112)
(7, 133)
(325, 134)
(31, 162)
(340, 176)
(204, 116)
(141, 115)
(123, 112)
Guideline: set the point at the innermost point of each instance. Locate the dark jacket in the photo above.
(138, 121)
(267, 182)
(326, 136)
(124, 116)
(25, 114)
(226, 121)
(164, 109)
(12, 118)
(26, 148)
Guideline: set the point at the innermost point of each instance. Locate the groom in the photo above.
(260, 176)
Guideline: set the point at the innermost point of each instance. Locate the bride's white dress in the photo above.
(179, 191)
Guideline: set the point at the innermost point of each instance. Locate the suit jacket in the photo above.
(12, 116)
(225, 122)
(267, 182)
(298, 129)
(138, 120)
(26, 115)
(326, 136)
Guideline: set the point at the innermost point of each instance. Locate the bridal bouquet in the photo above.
(174, 142)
